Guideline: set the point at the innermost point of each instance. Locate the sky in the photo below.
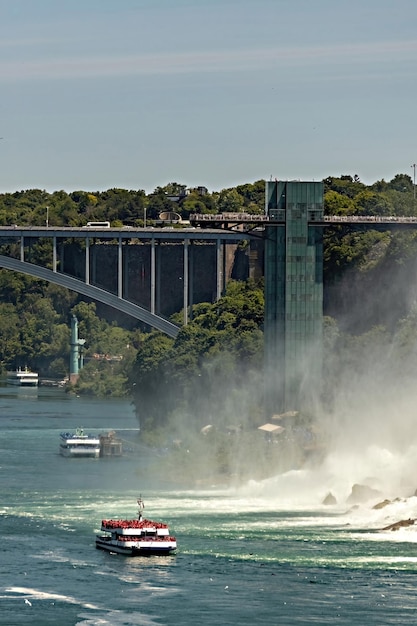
(134, 94)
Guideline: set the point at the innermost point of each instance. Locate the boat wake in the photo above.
(36, 594)
(101, 616)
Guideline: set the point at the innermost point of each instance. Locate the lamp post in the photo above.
(144, 217)
(47, 216)
(414, 179)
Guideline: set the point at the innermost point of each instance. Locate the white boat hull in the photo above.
(77, 453)
(140, 548)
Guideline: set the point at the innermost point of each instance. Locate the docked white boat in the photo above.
(136, 537)
(79, 444)
(22, 377)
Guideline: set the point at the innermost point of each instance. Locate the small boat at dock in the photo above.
(136, 537)
(22, 377)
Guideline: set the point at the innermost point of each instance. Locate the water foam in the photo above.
(37, 594)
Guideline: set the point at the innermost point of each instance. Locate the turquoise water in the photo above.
(262, 554)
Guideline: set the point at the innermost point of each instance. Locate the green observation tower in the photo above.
(293, 295)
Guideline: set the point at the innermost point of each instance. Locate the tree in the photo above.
(9, 333)
(230, 201)
(371, 203)
(224, 342)
(148, 383)
(338, 204)
(401, 182)
(158, 202)
(253, 195)
(345, 185)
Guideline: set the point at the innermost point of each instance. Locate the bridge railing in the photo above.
(328, 219)
(228, 217)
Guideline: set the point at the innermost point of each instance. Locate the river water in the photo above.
(267, 553)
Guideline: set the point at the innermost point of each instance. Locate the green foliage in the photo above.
(346, 185)
(194, 202)
(222, 347)
(353, 249)
(102, 378)
(395, 197)
(32, 332)
(9, 333)
(158, 202)
(224, 341)
(403, 247)
(229, 201)
(253, 195)
(62, 299)
(89, 326)
(405, 345)
(108, 354)
(372, 203)
(343, 195)
(35, 331)
(336, 203)
(401, 183)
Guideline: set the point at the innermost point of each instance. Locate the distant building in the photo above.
(183, 192)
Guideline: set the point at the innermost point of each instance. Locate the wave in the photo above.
(102, 616)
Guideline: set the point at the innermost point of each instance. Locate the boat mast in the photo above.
(141, 506)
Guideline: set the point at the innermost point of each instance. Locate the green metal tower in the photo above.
(293, 294)
(76, 357)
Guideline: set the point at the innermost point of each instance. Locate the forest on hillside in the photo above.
(345, 195)
(369, 302)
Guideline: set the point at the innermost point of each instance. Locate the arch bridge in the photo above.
(129, 269)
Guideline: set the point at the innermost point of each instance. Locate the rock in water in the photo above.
(362, 493)
(329, 499)
(382, 504)
(401, 524)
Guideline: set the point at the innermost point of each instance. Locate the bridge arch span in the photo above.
(134, 310)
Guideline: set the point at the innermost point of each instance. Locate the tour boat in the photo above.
(136, 537)
(79, 444)
(22, 377)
